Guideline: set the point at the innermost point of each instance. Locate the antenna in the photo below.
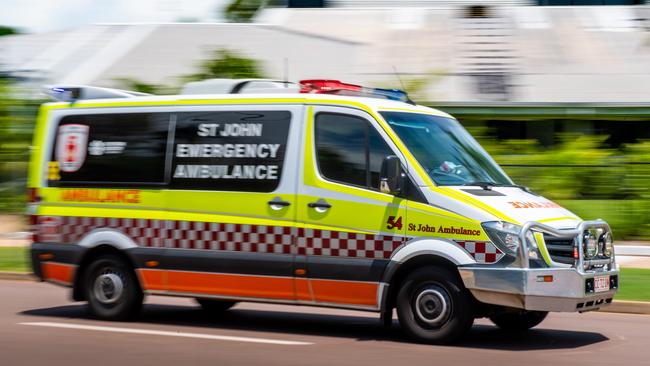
(408, 100)
(399, 78)
(286, 72)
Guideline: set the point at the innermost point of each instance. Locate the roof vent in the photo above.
(239, 86)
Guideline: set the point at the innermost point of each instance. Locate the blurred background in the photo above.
(557, 91)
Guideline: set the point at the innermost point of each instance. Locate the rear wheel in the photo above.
(112, 289)
(214, 305)
(518, 320)
(434, 307)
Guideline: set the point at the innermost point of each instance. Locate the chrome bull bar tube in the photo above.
(575, 234)
(519, 286)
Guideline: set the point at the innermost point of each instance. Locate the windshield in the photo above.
(446, 150)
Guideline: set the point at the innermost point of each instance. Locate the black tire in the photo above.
(214, 305)
(519, 320)
(433, 306)
(112, 289)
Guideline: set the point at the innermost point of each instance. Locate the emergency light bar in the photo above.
(77, 92)
(318, 86)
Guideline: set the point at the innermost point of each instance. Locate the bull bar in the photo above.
(519, 286)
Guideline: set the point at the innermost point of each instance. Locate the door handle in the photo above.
(320, 206)
(277, 203)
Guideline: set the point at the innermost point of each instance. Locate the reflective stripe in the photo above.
(263, 287)
(344, 292)
(230, 285)
(58, 272)
(539, 238)
(234, 237)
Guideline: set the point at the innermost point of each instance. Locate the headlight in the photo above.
(606, 244)
(504, 235)
(590, 244)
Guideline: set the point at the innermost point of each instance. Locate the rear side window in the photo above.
(349, 150)
(230, 151)
(110, 149)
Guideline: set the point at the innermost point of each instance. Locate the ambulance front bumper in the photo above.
(541, 289)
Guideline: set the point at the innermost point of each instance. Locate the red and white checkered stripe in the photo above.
(186, 234)
(483, 252)
(344, 244)
(230, 237)
(243, 237)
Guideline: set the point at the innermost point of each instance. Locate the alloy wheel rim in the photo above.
(432, 306)
(108, 287)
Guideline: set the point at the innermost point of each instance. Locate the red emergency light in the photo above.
(325, 86)
(317, 86)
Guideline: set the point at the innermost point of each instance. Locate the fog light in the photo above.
(606, 244)
(590, 244)
(589, 285)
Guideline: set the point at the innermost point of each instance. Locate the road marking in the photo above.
(168, 334)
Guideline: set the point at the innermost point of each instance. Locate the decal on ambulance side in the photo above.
(426, 228)
(71, 147)
(232, 151)
(101, 195)
(201, 235)
(533, 204)
(483, 252)
(49, 229)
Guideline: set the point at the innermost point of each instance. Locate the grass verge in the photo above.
(14, 259)
(635, 284)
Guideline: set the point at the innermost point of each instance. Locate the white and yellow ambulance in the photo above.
(323, 193)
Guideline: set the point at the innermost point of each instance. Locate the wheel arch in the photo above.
(417, 254)
(98, 243)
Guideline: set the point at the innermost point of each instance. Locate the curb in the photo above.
(17, 276)
(632, 250)
(627, 307)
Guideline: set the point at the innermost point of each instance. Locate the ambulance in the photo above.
(317, 193)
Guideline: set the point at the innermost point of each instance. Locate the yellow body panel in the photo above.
(249, 207)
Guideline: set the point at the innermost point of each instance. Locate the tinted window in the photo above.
(230, 151)
(117, 149)
(349, 150)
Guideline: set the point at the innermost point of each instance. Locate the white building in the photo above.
(515, 53)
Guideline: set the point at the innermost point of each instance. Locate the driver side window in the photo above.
(349, 150)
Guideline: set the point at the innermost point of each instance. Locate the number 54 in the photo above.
(392, 223)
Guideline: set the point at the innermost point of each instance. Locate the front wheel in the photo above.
(518, 321)
(434, 307)
(112, 289)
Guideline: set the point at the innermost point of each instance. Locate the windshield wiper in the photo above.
(488, 186)
(485, 185)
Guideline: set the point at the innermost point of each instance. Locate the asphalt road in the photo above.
(40, 326)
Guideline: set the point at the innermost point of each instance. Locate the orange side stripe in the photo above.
(262, 287)
(152, 279)
(59, 272)
(343, 292)
(302, 289)
(231, 285)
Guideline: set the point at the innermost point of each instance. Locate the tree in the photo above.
(17, 116)
(242, 11)
(7, 31)
(227, 64)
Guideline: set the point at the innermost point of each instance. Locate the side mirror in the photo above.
(390, 178)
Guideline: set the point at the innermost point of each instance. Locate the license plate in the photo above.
(601, 283)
